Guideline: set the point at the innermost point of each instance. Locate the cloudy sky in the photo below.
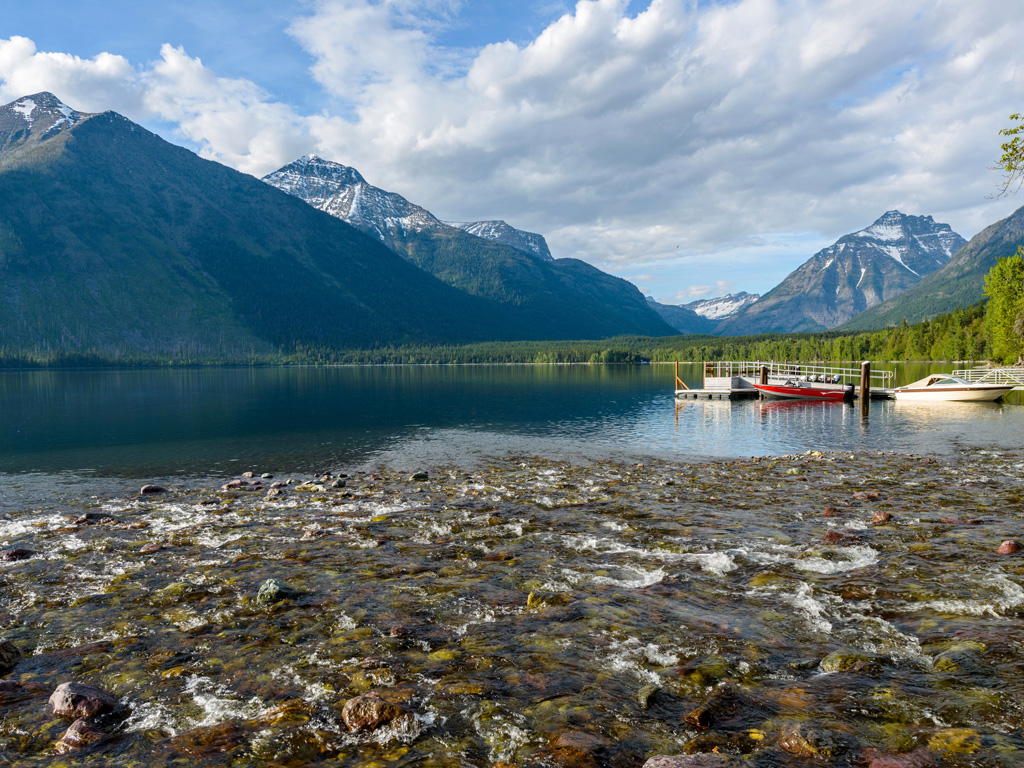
(695, 147)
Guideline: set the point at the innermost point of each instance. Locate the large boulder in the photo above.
(74, 700)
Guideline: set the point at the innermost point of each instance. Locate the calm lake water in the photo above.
(152, 424)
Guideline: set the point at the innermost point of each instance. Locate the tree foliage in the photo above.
(1012, 161)
(1004, 313)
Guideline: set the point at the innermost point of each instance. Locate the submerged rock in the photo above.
(9, 656)
(805, 740)
(80, 734)
(11, 555)
(76, 700)
(582, 741)
(148, 490)
(274, 591)
(370, 711)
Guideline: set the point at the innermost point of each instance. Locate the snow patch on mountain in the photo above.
(25, 107)
(722, 307)
(500, 231)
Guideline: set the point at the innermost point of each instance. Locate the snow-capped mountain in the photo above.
(542, 293)
(499, 231)
(858, 271)
(342, 192)
(722, 307)
(35, 119)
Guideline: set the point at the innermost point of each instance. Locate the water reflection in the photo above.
(220, 421)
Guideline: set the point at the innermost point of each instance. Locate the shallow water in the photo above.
(508, 606)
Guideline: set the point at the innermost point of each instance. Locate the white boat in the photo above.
(940, 387)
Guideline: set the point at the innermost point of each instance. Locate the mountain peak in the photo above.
(35, 118)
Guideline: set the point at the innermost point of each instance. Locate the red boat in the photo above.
(805, 390)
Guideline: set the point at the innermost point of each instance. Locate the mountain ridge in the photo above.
(858, 271)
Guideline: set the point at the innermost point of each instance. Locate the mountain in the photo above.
(114, 241)
(858, 271)
(499, 231)
(722, 307)
(960, 283)
(560, 298)
(683, 319)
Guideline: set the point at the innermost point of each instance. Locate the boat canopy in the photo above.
(936, 378)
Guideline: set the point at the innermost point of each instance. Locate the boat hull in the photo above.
(976, 393)
(785, 392)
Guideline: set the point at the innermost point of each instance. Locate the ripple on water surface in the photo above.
(531, 612)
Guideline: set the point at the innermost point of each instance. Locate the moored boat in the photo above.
(805, 390)
(943, 387)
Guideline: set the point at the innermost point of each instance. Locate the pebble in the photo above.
(147, 549)
(274, 591)
(881, 517)
(81, 700)
(1009, 547)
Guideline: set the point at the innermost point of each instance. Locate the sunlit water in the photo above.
(592, 574)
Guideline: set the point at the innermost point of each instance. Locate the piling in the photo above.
(764, 375)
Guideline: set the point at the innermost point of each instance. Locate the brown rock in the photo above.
(881, 517)
(582, 741)
(805, 740)
(1009, 547)
(147, 490)
(10, 555)
(370, 712)
(80, 734)
(498, 557)
(834, 537)
(149, 548)
(209, 740)
(247, 474)
(868, 495)
(830, 512)
(76, 700)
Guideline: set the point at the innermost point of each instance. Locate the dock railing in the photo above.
(1014, 376)
(727, 369)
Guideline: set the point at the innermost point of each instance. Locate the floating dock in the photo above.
(734, 380)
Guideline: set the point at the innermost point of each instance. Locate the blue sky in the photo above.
(695, 148)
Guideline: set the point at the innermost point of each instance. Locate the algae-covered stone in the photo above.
(850, 661)
(274, 591)
(955, 741)
(80, 734)
(805, 740)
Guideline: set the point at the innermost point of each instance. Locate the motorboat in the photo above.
(795, 389)
(944, 387)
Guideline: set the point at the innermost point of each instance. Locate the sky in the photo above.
(694, 147)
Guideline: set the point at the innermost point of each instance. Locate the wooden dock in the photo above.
(734, 380)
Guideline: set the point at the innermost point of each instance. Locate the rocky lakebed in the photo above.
(820, 609)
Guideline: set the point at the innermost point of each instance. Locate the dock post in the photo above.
(764, 375)
(865, 382)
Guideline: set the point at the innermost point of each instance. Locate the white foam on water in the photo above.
(882, 637)
(614, 525)
(149, 716)
(717, 563)
(849, 559)
(606, 546)
(812, 610)
(662, 658)
(218, 703)
(639, 578)
(10, 529)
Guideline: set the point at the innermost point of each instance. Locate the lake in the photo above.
(208, 422)
(530, 566)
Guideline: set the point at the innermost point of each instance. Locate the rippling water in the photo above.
(591, 574)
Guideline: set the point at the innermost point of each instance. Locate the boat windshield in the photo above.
(951, 381)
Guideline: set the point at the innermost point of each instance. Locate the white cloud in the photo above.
(683, 135)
